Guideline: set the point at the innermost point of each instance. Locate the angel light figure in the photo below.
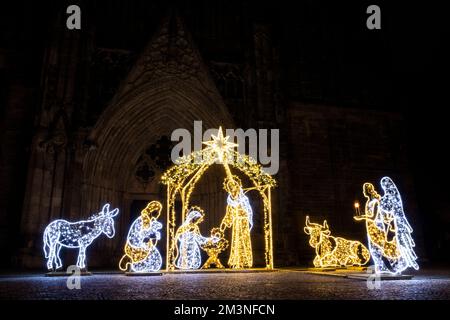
(189, 238)
(141, 254)
(388, 231)
(239, 217)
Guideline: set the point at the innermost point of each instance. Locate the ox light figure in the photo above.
(61, 233)
(334, 251)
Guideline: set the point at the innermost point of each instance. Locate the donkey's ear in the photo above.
(114, 213)
(105, 209)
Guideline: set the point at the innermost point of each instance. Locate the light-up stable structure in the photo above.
(182, 178)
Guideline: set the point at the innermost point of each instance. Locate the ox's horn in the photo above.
(308, 224)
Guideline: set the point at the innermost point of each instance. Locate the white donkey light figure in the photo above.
(61, 233)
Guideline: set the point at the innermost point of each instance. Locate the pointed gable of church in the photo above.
(168, 88)
(172, 55)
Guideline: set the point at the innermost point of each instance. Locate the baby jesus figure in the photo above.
(213, 247)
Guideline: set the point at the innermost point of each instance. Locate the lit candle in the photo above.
(358, 213)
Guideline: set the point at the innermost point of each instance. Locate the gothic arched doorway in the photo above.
(169, 88)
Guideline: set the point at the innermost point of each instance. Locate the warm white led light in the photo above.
(334, 251)
(238, 217)
(181, 180)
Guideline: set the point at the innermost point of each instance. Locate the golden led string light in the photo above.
(376, 232)
(334, 251)
(239, 213)
(239, 217)
(213, 247)
(141, 254)
(181, 180)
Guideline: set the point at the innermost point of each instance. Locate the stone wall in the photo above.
(84, 147)
(331, 153)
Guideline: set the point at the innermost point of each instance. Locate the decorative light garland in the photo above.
(334, 251)
(61, 233)
(141, 254)
(182, 178)
(388, 231)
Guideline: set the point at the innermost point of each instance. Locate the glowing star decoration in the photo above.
(141, 254)
(61, 233)
(182, 178)
(239, 213)
(221, 146)
(388, 231)
(334, 251)
(190, 240)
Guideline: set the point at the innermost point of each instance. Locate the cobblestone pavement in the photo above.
(273, 285)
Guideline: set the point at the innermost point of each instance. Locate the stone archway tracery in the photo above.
(168, 88)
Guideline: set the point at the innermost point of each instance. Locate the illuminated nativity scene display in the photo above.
(184, 241)
(223, 150)
(390, 244)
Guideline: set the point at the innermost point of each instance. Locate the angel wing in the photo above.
(391, 203)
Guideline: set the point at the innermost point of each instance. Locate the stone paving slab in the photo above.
(65, 274)
(327, 274)
(143, 274)
(356, 273)
(214, 270)
(285, 284)
(382, 277)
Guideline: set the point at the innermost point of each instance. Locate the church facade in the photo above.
(103, 112)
